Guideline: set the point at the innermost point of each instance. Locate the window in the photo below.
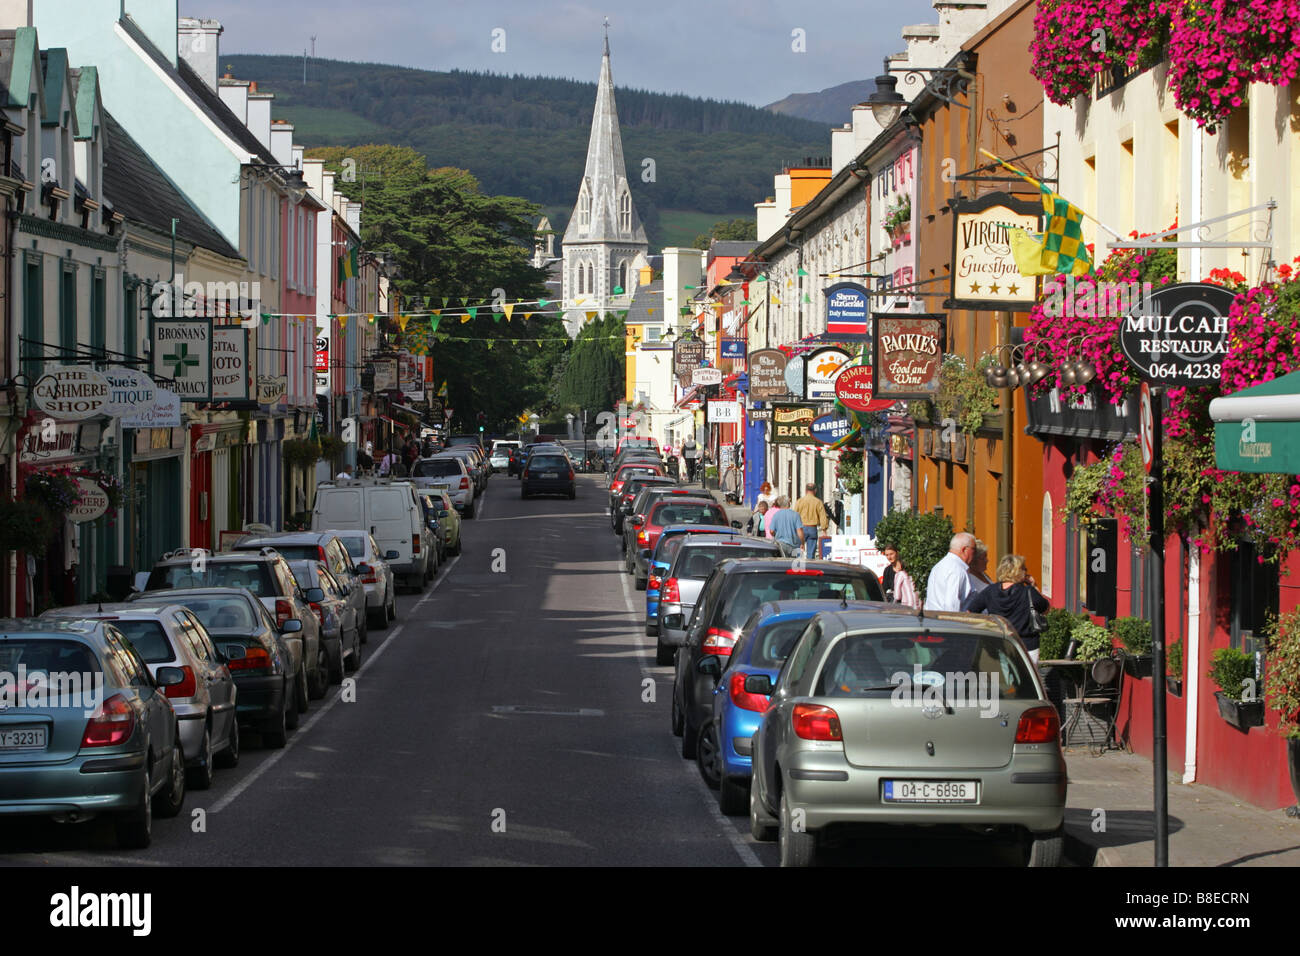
(591, 277)
(33, 312)
(653, 333)
(1254, 595)
(622, 275)
(68, 306)
(98, 312)
(290, 258)
(582, 278)
(584, 207)
(129, 328)
(625, 212)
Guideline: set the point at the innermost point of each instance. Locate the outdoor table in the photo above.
(1081, 698)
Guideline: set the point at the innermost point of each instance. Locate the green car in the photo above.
(447, 515)
(883, 717)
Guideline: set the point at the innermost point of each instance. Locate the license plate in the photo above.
(23, 738)
(550, 474)
(931, 791)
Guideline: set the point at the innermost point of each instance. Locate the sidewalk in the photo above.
(1206, 827)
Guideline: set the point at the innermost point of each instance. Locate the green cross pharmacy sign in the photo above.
(181, 352)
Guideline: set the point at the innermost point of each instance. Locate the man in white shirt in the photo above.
(949, 580)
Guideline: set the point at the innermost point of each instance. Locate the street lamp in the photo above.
(886, 103)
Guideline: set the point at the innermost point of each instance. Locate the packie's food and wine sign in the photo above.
(909, 354)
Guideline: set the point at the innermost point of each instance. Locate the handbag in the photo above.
(1037, 621)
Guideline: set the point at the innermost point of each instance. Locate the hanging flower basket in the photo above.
(25, 526)
(56, 491)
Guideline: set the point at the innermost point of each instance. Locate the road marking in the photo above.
(728, 826)
(548, 711)
(311, 721)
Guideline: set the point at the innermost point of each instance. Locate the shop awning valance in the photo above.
(1258, 428)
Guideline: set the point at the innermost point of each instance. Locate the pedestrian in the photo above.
(949, 582)
(758, 518)
(815, 520)
(785, 526)
(765, 493)
(1013, 596)
(691, 454)
(389, 463)
(364, 461)
(896, 581)
(345, 473)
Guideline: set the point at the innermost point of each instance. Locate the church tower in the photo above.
(605, 236)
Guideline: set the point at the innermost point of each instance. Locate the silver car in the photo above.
(691, 567)
(376, 576)
(171, 636)
(450, 472)
(879, 717)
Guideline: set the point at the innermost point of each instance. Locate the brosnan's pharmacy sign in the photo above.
(1178, 338)
(182, 352)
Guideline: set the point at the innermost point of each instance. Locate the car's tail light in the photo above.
(320, 614)
(742, 699)
(671, 593)
(283, 611)
(815, 722)
(616, 487)
(415, 544)
(113, 725)
(464, 483)
(653, 582)
(718, 641)
(255, 658)
(368, 574)
(186, 688)
(807, 572)
(320, 552)
(641, 537)
(1038, 725)
(570, 473)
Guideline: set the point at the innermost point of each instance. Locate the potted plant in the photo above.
(1054, 641)
(1234, 673)
(1174, 668)
(1094, 641)
(1134, 634)
(301, 452)
(1282, 689)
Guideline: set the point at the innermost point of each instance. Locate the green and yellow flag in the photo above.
(348, 267)
(1060, 250)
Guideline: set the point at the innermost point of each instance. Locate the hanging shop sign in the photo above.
(767, 374)
(828, 429)
(71, 392)
(732, 348)
(853, 390)
(760, 414)
(688, 355)
(723, 413)
(985, 275)
(706, 376)
(230, 369)
(822, 367)
(163, 412)
(909, 354)
(794, 383)
(791, 424)
(1179, 336)
(130, 389)
(93, 503)
(385, 374)
(847, 308)
(410, 372)
(271, 389)
(42, 444)
(182, 353)
(322, 361)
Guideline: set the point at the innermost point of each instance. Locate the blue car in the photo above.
(661, 559)
(725, 746)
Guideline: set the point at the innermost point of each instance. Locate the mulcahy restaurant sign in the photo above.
(1179, 336)
(985, 274)
(909, 354)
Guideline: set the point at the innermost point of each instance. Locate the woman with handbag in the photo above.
(1015, 597)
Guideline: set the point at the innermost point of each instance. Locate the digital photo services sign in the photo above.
(909, 354)
(847, 309)
(985, 274)
(182, 353)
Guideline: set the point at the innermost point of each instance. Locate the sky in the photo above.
(753, 51)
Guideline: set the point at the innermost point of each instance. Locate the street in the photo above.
(499, 721)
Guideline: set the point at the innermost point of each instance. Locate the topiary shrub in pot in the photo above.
(1134, 633)
(1174, 668)
(1233, 671)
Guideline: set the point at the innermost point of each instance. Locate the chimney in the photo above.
(647, 275)
(198, 43)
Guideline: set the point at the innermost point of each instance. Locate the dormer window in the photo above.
(625, 211)
(584, 207)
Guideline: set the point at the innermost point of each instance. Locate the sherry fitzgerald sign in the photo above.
(909, 354)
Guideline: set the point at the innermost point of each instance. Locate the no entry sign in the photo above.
(1147, 428)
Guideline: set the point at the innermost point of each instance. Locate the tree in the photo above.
(740, 229)
(595, 374)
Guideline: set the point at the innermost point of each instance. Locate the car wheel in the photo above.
(298, 706)
(321, 685)
(676, 718)
(664, 653)
(733, 797)
(456, 553)
(1046, 849)
(523, 491)
(364, 637)
(276, 735)
(171, 798)
(134, 829)
(798, 846)
(707, 756)
(392, 608)
(355, 664)
(200, 777)
(229, 757)
(762, 826)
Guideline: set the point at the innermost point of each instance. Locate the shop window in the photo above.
(1253, 592)
(1100, 578)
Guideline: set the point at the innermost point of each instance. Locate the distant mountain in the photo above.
(527, 136)
(831, 106)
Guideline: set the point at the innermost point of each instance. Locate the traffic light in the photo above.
(482, 417)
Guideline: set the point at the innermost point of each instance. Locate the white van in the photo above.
(382, 507)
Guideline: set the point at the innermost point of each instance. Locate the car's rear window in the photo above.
(217, 614)
(547, 463)
(668, 547)
(355, 544)
(698, 560)
(436, 468)
(670, 512)
(45, 656)
(745, 592)
(254, 575)
(339, 507)
(773, 644)
(148, 638)
(967, 666)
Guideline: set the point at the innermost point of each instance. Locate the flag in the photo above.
(442, 392)
(1060, 250)
(348, 268)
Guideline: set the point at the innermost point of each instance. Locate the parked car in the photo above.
(451, 473)
(644, 528)
(447, 517)
(621, 505)
(548, 474)
(436, 554)
(169, 635)
(270, 688)
(66, 758)
(516, 458)
(643, 502)
(878, 718)
(267, 575)
(499, 458)
(731, 593)
(690, 566)
(339, 622)
(474, 461)
(326, 546)
(659, 561)
(376, 576)
(388, 510)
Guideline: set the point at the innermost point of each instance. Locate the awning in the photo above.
(690, 396)
(407, 408)
(1258, 429)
